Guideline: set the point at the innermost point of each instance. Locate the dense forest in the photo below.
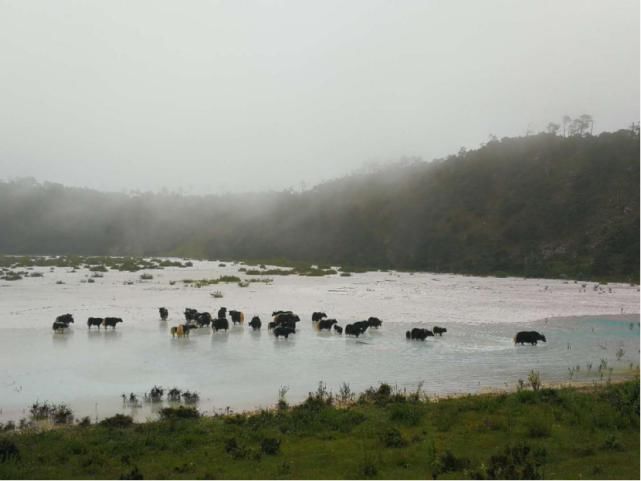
(543, 205)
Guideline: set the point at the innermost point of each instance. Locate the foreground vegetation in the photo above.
(544, 205)
(533, 433)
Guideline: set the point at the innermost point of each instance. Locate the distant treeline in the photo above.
(542, 205)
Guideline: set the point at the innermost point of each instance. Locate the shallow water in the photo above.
(89, 369)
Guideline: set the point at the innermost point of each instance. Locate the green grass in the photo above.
(561, 433)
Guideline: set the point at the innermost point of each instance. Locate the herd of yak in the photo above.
(283, 324)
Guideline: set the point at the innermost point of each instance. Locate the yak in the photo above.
(286, 319)
(181, 330)
(374, 322)
(59, 326)
(284, 331)
(317, 316)
(338, 329)
(255, 323)
(111, 322)
(222, 313)
(203, 319)
(237, 317)
(220, 323)
(325, 324)
(66, 318)
(530, 337)
(356, 329)
(94, 321)
(439, 330)
(164, 313)
(190, 314)
(418, 333)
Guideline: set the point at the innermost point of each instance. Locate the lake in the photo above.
(241, 369)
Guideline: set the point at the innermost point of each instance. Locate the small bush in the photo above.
(369, 470)
(515, 462)
(133, 474)
(8, 451)
(612, 443)
(393, 438)
(180, 412)
(270, 446)
(448, 463)
(85, 421)
(538, 428)
(117, 421)
(407, 414)
(534, 378)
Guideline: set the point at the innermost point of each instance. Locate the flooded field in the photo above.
(241, 369)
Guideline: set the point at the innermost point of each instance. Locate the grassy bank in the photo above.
(549, 433)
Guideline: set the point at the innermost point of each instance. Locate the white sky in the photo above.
(256, 95)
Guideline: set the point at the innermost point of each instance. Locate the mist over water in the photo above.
(89, 369)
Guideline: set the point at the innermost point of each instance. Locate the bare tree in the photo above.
(553, 128)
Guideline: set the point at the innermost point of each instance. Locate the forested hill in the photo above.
(542, 205)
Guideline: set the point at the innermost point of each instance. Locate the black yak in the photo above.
(530, 337)
(164, 313)
(317, 316)
(284, 331)
(255, 323)
(237, 317)
(374, 322)
(439, 330)
(190, 314)
(220, 323)
(59, 326)
(222, 313)
(418, 333)
(356, 329)
(111, 321)
(325, 324)
(203, 319)
(66, 318)
(94, 321)
(338, 329)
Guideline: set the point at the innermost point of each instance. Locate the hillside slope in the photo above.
(541, 205)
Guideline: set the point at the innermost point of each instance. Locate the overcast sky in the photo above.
(256, 95)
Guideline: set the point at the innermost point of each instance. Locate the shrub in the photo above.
(62, 414)
(537, 428)
(117, 421)
(133, 474)
(612, 443)
(392, 438)
(407, 414)
(448, 463)
(85, 421)
(180, 412)
(270, 446)
(515, 462)
(534, 378)
(8, 451)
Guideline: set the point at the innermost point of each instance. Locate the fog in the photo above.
(212, 97)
